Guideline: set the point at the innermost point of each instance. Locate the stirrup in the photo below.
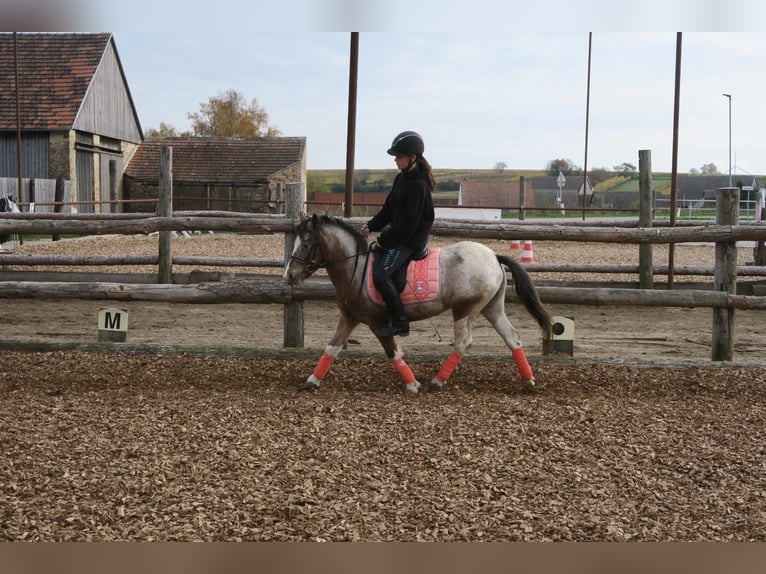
(392, 329)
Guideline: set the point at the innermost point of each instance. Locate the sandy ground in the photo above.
(638, 437)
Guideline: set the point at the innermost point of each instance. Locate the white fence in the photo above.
(751, 208)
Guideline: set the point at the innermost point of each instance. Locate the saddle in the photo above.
(400, 277)
(417, 281)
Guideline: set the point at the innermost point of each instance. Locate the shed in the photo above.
(77, 117)
(216, 173)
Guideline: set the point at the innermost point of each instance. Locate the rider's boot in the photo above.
(398, 324)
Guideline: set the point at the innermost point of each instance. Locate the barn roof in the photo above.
(55, 73)
(218, 160)
(697, 186)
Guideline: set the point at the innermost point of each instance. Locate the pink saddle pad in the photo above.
(422, 280)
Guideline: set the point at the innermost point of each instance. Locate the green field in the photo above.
(381, 179)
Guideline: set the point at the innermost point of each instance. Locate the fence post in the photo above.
(727, 203)
(58, 200)
(645, 206)
(295, 199)
(522, 198)
(165, 209)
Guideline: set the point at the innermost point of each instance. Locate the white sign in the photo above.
(112, 319)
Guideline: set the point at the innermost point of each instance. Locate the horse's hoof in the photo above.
(412, 388)
(310, 384)
(436, 383)
(530, 386)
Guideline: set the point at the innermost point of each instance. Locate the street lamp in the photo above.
(729, 98)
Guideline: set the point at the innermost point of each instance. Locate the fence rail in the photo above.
(270, 289)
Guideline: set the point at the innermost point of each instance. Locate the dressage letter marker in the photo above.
(563, 335)
(113, 325)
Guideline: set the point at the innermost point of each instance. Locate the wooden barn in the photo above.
(75, 114)
(219, 174)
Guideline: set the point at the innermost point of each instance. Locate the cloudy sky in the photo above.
(483, 82)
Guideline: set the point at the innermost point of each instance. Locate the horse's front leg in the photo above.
(395, 353)
(345, 327)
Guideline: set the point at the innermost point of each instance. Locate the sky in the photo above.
(484, 82)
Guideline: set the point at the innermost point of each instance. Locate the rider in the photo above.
(409, 213)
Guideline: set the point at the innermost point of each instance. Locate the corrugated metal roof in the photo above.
(218, 160)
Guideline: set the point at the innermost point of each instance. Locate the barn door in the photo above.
(85, 187)
(111, 177)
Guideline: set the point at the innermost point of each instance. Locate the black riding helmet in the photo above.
(407, 143)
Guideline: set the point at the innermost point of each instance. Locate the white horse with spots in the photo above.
(472, 281)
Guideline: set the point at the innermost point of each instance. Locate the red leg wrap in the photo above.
(404, 371)
(449, 365)
(522, 364)
(323, 366)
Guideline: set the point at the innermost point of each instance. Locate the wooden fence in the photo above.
(271, 289)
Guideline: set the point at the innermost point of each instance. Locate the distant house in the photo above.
(209, 173)
(77, 117)
(493, 192)
(698, 187)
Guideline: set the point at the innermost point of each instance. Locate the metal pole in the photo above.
(729, 98)
(18, 114)
(351, 135)
(674, 173)
(587, 117)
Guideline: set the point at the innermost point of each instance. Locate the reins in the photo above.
(311, 265)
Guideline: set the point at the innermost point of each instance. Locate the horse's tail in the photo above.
(527, 292)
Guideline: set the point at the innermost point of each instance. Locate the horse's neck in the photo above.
(345, 262)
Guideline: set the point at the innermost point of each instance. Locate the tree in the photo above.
(229, 115)
(564, 166)
(625, 169)
(709, 169)
(500, 166)
(164, 131)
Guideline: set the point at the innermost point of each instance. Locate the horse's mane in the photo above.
(361, 242)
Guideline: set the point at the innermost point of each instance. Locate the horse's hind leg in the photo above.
(463, 340)
(342, 332)
(495, 314)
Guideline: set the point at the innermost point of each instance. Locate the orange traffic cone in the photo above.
(527, 255)
(515, 244)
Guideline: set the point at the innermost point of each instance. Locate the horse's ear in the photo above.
(314, 221)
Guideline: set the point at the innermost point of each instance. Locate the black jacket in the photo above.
(408, 209)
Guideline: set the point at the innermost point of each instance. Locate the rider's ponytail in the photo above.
(426, 167)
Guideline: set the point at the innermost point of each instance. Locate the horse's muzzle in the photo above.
(294, 276)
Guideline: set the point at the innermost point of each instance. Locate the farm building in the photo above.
(699, 187)
(231, 174)
(493, 192)
(79, 124)
(77, 117)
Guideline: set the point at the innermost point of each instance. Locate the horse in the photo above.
(472, 280)
(7, 205)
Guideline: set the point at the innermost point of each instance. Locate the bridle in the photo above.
(310, 263)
